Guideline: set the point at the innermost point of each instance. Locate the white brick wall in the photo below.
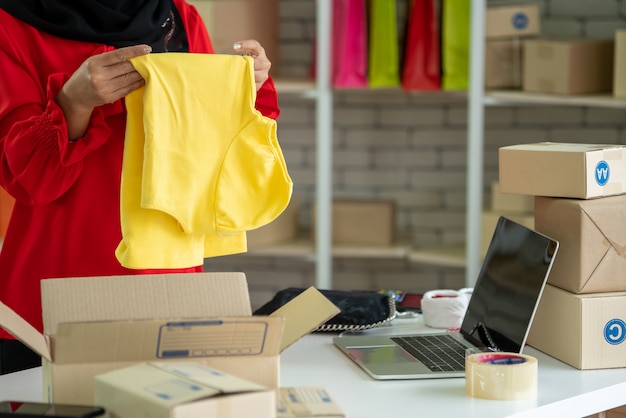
(411, 148)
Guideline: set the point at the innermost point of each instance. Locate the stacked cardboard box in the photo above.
(619, 73)
(517, 207)
(580, 200)
(507, 26)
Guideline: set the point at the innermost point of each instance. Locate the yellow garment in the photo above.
(201, 165)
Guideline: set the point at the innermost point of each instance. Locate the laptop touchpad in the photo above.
(380, 354)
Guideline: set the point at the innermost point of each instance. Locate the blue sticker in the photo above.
(602, 173)
(615, 331)
(519, 21)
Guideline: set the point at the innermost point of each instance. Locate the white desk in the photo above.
(563, 390)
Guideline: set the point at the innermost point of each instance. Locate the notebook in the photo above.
(499, 314)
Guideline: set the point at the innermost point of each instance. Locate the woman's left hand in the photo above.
(262, 64)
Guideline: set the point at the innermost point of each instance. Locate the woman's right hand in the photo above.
(100, 79)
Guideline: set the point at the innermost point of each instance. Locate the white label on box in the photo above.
(187, 339)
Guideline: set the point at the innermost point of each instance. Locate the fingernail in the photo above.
(148, 49)
(237, 46)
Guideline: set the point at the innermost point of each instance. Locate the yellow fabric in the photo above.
(201, 165)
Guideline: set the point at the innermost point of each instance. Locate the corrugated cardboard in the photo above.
(307, 402)
(568, 66)
(584, 331)
(510, 202)
(282, 229)
(229, 21)
(503, 63)
(592, 237)
(512, 20)
(362, 222)
(94, 325)
(563, 170)
(619, 74)
(490, 220)
(178, 390)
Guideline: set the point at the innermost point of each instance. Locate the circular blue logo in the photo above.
(602, 173)
(615, 331)
(519, 21)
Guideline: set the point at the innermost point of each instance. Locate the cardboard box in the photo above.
(95, 325)
(584, 331)
(229, 21)
(282, 229)
(6, 208)
(619, 73)
(307, 402)
(490, 220)
(592, 238)
(362, 222)
(568, 66)
(510, 202)
(178, 390)
(580, 171)
(512, 20)
(503, 63)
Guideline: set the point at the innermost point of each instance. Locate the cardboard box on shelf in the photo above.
(563, 170)
(568, 66)
(6, 208)
(229, 21)
(307, 402)
(282, 229)
(97, 324)
(503, 63)
(592, 237)
(362, 222)
(510, 202)
(585, 331)
(177, 390)
(490, 220)
(619, 73)
(512, 20)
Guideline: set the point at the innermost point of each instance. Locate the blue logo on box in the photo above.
(615, 331)
(602, 173)
(519, 21)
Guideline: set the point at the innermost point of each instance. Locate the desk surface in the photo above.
(563, 390)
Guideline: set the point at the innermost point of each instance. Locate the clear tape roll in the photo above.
(445, 308)
(501, 376)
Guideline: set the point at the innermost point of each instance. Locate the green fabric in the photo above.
(384, 62)
(455, 44)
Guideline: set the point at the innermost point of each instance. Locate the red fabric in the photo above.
(422, 59)
(66, 219)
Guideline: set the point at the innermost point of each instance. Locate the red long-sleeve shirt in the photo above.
(66, 220)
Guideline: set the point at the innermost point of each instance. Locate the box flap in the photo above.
(304, 313)
(307, 402)
(167, 339)
(23, 331)
(137, 297)
(563, 147)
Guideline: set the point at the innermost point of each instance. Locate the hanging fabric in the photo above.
(455, 44)
(422, 58)
(349, 43)
(384, 62)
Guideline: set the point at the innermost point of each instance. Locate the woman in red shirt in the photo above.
(64, 74)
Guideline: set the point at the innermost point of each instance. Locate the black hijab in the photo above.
(113, 22)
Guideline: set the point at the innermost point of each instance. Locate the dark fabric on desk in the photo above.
(15, 356)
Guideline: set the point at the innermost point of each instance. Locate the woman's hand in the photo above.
(100, 79)
(262, 64)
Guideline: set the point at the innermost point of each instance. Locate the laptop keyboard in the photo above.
(437, 352)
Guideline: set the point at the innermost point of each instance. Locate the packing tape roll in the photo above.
(500, 376)
(445, 308)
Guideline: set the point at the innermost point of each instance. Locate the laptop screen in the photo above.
(508, 288)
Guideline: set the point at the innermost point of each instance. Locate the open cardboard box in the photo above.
(97, 324)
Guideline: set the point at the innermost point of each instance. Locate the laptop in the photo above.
(498, 317)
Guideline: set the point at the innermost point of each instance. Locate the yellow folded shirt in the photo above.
(201, 165)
